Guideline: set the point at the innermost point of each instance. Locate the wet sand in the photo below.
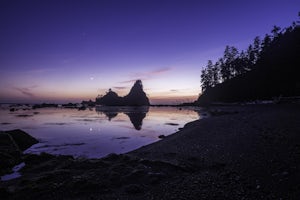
(240, 152)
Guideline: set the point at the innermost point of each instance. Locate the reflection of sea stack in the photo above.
(135, 114)
(136, 97)
(110, 112)
(136, 117)
(110, 115)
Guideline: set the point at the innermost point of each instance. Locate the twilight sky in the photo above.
(73, 50)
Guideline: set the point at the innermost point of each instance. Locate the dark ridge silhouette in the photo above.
(136, 97)
(135, 114)
(274, 72)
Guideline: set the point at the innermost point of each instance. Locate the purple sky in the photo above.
(61, 51)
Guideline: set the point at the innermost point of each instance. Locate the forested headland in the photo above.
(269, 68)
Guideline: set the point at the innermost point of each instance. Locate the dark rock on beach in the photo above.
(161, 136)
(12, 144)
(21, 138)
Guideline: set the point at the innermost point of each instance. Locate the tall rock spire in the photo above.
(136, 96)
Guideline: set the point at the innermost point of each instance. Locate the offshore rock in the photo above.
(136, 97)
(110, 99)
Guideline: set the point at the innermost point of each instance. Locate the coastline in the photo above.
(243, 152)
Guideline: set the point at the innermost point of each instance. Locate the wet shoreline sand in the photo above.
(241, 152)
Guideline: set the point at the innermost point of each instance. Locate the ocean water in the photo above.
(95, 132)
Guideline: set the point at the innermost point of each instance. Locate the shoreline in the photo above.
(241, 152)
(260, 143)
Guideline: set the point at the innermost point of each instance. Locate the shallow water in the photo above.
(14, 174)
(94, 133)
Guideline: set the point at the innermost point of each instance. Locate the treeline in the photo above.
(235, 63)
(269, 68)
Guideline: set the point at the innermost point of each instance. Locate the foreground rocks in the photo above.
(249, 153)
(12, 144)
(54, 177)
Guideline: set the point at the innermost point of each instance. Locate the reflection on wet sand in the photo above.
(135, 114)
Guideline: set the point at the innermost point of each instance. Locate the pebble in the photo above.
(285, 173)
(161, 136)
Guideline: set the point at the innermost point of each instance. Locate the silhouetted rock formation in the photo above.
(89, 103)
(136, 97)
(110, 99)
(45, 105)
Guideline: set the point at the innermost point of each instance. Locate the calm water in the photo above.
(94, 133)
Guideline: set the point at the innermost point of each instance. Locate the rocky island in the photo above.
(136, 97)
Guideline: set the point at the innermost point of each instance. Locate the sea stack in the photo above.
(111, 98)
(136, 97)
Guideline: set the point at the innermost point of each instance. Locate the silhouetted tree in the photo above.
(215, 74)
(210, 75)
(220, 64)
(242, 63)
(266, 42)
(228, 68)
(205, 82)
(275, 31)
(225, 70)
(256, 49)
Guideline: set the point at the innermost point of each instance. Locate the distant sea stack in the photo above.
(136, 97)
